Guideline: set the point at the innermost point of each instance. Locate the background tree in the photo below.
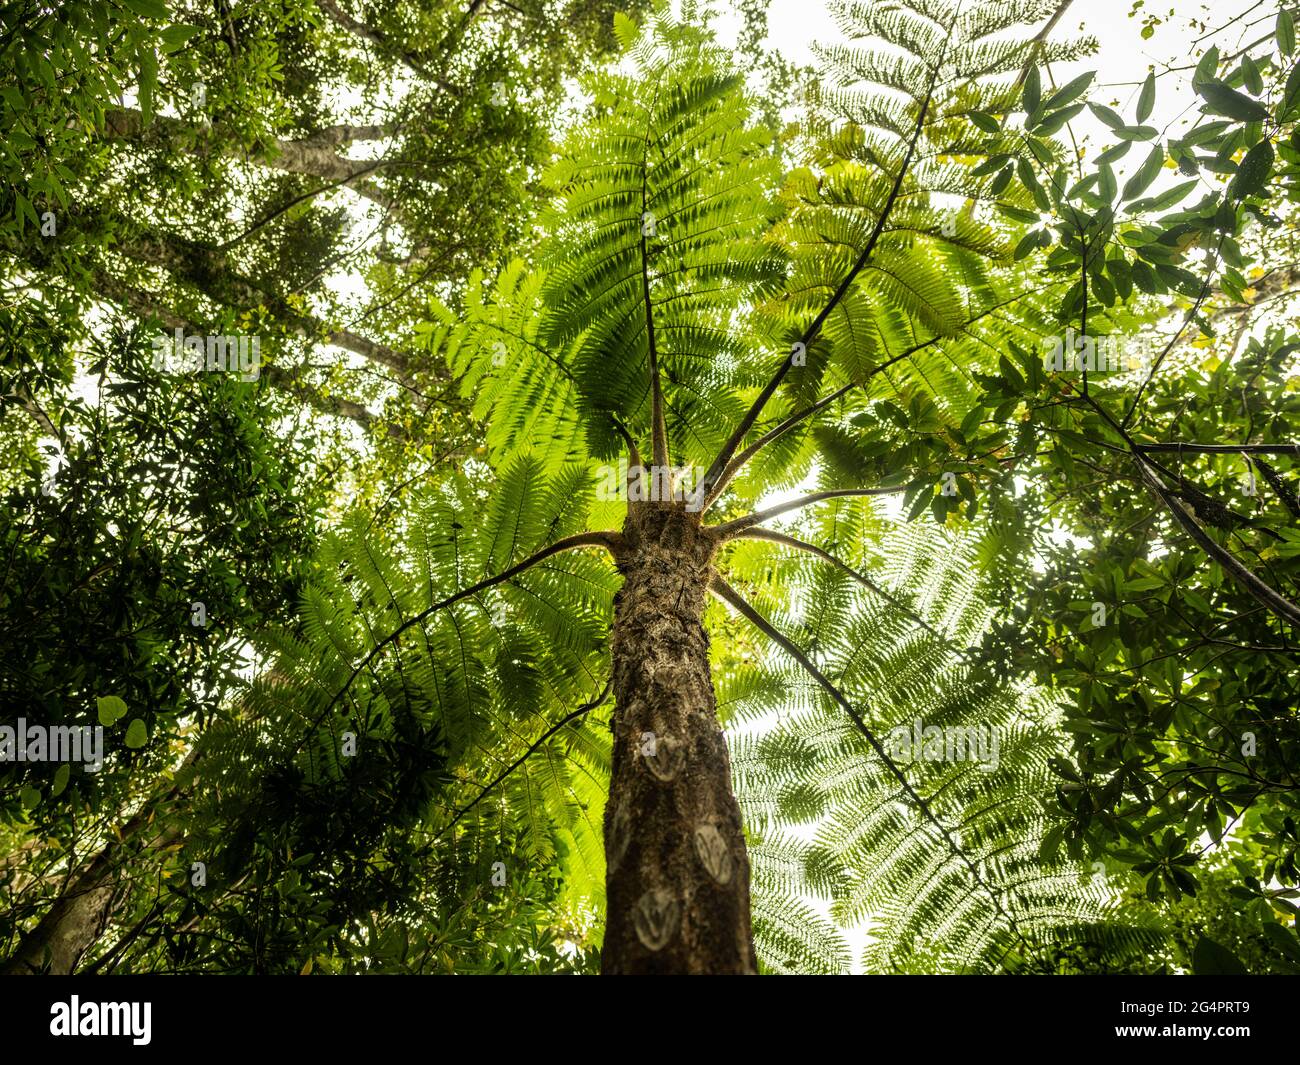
(1169, 632)
(187, 167)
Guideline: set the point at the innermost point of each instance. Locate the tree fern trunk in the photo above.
(677, 873)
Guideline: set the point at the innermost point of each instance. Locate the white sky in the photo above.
(1122, 61)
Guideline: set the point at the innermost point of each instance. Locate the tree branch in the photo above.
(729, 530)
(1040, 39)
(729, 595)
(738, 463)
(384, 43)
(573, 715)
(145, 305)
(1278, 604)
(1222, 449)
(208, 271)
(610, 540)
(775, 537)
(723, 459)
(311, 155)
(658, 429)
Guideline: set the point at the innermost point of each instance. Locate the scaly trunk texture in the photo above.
(677, 872)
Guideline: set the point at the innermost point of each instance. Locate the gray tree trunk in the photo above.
(70, 926)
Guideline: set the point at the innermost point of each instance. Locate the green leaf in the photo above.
(1137, 133)
(1053, 122)
(1207, 66)
(1212, 959)
(152, 9)
(1143, 278)
(1107, 186)
(25, 211)
(1106, 116)
(1070, 92)
(1171, 196)
(1112, 154)
(991, 164)
(1147, 98)
(1121, 275)
(1210, 132)
(1250, 74)
(110, 709)
(1026, 245)
(1082, 186)
(1050, 844)
(1285, 941)
(1019, 214)
(1286, 32)
(148, 82)
(1033, 91)
(1010, 374)
(29, 797)
(1224, 100)
(1291, 93)
(1146, 174)
(918, 505)
(175, 38)
(625, 29)
(61, 776)
(987, 123)
(136, 734)
(1253, 171)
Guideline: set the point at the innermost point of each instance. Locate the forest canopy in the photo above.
(586, 487)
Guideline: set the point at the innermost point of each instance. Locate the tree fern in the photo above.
(882, 858)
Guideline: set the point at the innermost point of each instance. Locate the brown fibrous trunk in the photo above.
(677, 871)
